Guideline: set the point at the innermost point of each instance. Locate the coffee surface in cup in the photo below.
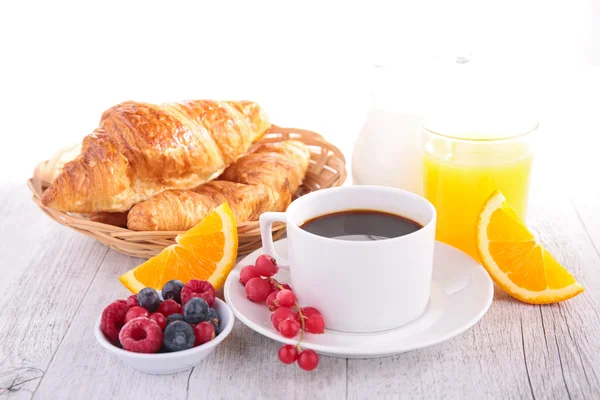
(361, 225)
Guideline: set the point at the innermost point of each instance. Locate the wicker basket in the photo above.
(327, 169)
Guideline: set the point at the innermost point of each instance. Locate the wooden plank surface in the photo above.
(585, 194)
(56, 282)
(572, 327)
(247, 368)
(46, 272)
(92, 372)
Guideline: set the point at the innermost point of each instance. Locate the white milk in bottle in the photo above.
(389, 149)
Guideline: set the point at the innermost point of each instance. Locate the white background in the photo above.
(307, 63)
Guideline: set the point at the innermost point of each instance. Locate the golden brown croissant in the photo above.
(264, 180)
(141, 149)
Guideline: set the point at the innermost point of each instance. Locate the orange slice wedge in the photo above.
(516, 260)
(207, 252)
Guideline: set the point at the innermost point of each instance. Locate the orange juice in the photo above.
(460, 174)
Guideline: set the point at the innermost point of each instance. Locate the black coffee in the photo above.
(360, 225)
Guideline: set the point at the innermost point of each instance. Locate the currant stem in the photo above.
(302, 317)
(303, 326)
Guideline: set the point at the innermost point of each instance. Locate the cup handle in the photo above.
(266, 236)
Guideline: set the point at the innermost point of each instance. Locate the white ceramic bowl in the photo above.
(170, 363)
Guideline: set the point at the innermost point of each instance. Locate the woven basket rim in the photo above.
(147, 242)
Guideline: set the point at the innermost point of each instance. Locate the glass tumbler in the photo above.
(463, 165)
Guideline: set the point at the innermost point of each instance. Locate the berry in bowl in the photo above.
(167, 336)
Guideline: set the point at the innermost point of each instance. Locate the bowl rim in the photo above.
(101, 339)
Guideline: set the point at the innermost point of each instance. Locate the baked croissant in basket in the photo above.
(264, 180)
(141, 149)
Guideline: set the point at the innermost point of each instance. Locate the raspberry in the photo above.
(257, 290)
(281, 314)
(286, 298)
(247, 273)
(198, 288)
(289, 328)
(159, 319)
(132, 301)
(141, 335)
(315, 324)
(136, 312)
(169, 307)
(266, 265)
(204, 332)
(113, 318)
(308, 360)
(288, 354)
(272, 302)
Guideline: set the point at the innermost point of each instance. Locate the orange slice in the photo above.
(516, 260)
(207, 252)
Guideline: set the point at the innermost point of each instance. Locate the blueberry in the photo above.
(195, 310)
(148, 298)
(175, 317)
(172, 290)
(214, 319)
(178, 336)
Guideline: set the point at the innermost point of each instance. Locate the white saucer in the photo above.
(462, 292)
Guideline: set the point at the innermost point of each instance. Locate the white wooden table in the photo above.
(55, 282)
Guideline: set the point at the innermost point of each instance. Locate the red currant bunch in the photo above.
(288, 318)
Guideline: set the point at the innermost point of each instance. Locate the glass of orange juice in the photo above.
(465, 163)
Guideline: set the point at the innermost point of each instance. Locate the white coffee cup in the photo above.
(359, 286)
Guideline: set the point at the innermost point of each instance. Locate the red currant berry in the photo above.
(288, 354)
(132, 301)
(160, 319)
(272, 302)
(247, 273)
(135, 312)
(282, 313)
(285, 286)
(273, 285)
(169, 307)
(257, 290)
(308, 311)
(315, 324)
(286, 298)
(289, 328)
(204, 332)
(308, 360)
(266, 265)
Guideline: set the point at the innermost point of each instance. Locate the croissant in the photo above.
(264, 180)
(141, 149)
